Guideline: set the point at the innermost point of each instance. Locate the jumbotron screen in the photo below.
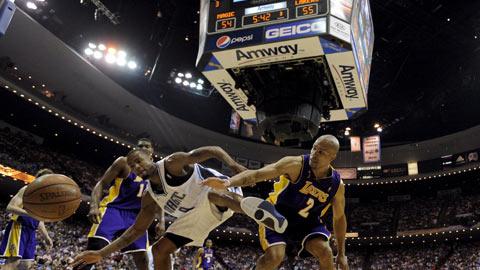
(240, 14)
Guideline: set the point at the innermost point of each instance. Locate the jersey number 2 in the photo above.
(304, 212)
(140, 190)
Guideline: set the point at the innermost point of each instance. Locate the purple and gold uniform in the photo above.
(119, 210)
(20, 240)
(207, 259)
(303, 204)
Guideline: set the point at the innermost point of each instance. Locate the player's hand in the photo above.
(85, 258)
(341, 262)
(215, 183)
(49, 244)
(237, 168)
(94, 215)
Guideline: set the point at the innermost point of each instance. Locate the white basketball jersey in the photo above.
(179, 200)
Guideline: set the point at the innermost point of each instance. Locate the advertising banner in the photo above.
(371, 149)
(355, 144)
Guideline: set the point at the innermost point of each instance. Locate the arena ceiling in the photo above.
(425, 79)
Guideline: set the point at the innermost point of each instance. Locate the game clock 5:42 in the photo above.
(265, 17)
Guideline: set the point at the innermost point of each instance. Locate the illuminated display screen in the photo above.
(363, 38)
(225, 24)
(264, 8)
(229, 15)
(307, 10)
(265, 17)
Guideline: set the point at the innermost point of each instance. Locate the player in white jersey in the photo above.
(175, 187)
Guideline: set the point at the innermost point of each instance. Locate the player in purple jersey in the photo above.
(117, 211)
(205, 259)
(175, 187)
(19, 241)
(307, 187)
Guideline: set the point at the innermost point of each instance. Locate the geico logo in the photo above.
(294, 30)
(349, 81)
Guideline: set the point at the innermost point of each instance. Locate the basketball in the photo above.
(52, 197)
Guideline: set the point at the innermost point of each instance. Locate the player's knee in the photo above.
(140, 257)
(275, 256)
(321, 250)
(160, 250)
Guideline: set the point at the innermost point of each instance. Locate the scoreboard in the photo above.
(288, 65)
(229, 15)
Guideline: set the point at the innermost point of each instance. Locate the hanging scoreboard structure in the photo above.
(288, 65)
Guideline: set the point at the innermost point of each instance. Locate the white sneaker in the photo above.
(264, 213)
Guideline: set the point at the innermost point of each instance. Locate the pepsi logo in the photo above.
(223, 42)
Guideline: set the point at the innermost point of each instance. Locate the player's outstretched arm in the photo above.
(44, 233)
(286, 166)
(340, 225)
(198, 258)
(143, 221)
(177, 161)
(117, 169)
(15, 204)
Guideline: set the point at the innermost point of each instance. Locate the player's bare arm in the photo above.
(43, 231)
(340, 225)
(198, 258)
(117, 169)
(144, 219)
(15, 206)
(176, 162)
(289, 166)
(160, 226)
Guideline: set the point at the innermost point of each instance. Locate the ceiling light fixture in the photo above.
(31, 5)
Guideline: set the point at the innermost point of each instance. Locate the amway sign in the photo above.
(345, 75)
(267, 52)
(270, 53)
(224, 84)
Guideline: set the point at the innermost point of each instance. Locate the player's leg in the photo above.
(24, 264)
(93, 243)
(164, 247)
(102, 234)
(272, 258)
(141, 260)
(320, 249)
(10, 264)
(138, 249)
(28, 246)
(259, 210)
(17, 245)
(274, 245)
(227, 200)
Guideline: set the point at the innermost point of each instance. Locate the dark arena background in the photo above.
(396, 82)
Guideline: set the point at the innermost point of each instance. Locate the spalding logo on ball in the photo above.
(52, 197)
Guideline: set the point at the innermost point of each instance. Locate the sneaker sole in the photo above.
(264, 213)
